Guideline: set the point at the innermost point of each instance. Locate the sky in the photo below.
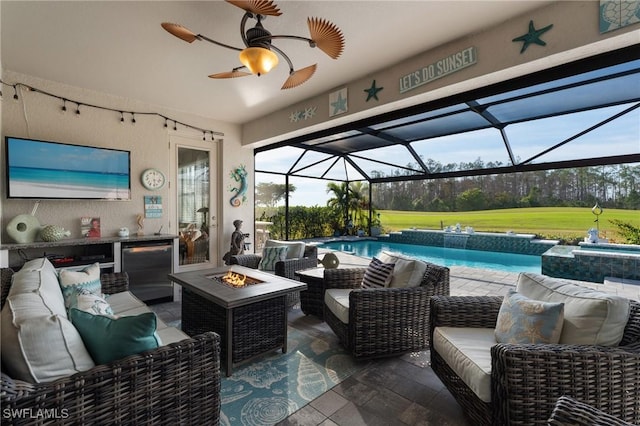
(621, 136)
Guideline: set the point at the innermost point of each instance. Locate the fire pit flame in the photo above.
(234, 279)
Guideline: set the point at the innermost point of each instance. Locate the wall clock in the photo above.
(153, 179)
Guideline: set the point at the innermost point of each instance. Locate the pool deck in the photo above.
(466, 281)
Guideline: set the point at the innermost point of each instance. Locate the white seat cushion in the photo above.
(337, 300)
(124, 301)
(296, 248)
(39, 343)
(408, 271)
(39, 277)
(467, 351)
(591, 317)
(170, 335)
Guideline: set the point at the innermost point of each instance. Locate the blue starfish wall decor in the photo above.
(372, 92)
(338, 102)
(533, 36)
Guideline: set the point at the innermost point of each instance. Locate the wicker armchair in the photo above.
(285, 268)
(527, 380)
(385, 321)
(174, 384)
(569, 412)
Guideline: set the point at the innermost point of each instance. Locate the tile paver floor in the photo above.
(400, 390)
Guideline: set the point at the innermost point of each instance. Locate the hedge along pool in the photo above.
(509, 262)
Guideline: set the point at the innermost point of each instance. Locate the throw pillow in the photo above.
(110, 339)
(72, 282)
(271, 255)
(378, 274)
(92, 303)
(408, 271)
(524, 320)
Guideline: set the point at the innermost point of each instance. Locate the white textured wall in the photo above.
(39, 116)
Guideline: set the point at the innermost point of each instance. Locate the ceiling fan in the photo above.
(258, 55)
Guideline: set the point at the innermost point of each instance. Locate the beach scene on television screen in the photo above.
(53, 170)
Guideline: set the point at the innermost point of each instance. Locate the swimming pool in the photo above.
(499, 261)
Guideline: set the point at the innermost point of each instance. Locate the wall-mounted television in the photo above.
(53, 170)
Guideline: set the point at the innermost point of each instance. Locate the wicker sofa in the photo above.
(382, 321)
(526, 380)
(177, 383)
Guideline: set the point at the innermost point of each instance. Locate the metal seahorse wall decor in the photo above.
(239, 174)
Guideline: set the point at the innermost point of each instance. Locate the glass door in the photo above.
(194, 189)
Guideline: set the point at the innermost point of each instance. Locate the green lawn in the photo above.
(552, 222)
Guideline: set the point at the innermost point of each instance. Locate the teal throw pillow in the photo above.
(378, 274)
(109, 339)
(271, 255)
(74, 282)
(524, 320)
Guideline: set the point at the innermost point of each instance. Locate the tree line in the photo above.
(615, 186)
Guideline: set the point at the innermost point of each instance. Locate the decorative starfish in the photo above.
(339, 105)
(372, 92)
(309, 112)
(533, 36)
(294, 116)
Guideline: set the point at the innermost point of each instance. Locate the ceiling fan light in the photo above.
(258, 60)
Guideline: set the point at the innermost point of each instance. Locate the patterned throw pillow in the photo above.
(524, 320)
(92, 303)
(108, 339)
(378, 274)
(73, 282)
(271, 255)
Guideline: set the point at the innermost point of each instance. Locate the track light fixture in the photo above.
(133, 118)
(64, 101)
(260, 55)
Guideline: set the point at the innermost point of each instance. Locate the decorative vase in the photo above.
(52, 233)
(330, 261)
(23, 228)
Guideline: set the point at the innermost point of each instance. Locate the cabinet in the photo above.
(108, 252)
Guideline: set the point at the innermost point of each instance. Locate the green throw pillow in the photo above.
(524, 320)
(271, 255)
(109, 339)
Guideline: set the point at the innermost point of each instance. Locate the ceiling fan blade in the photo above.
(179, 31)
(230, 74)
(258, 7)
(296, 78)
(326, 36)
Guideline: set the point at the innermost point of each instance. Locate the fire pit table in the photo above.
(251, 318)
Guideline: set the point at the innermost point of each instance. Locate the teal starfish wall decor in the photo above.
(339, 105)
(372, 92)
(533, 36)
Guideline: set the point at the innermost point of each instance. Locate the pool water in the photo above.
(509, 262)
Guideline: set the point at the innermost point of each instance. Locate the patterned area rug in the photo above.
(273, 387)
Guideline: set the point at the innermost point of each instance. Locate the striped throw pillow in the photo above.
(378, 274)
(271, 255)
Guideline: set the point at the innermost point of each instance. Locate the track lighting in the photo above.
(64, 101)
